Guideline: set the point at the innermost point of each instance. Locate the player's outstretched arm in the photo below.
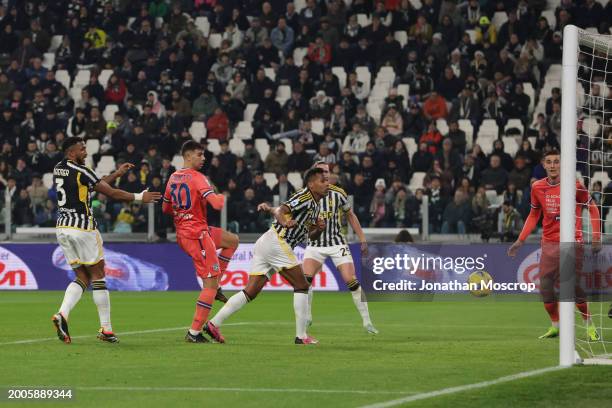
(530, 223)
(124, 168)
(120, 195)
(354, 222)
(217, 201)
(282, 214)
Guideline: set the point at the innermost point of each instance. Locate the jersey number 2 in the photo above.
(177, 196)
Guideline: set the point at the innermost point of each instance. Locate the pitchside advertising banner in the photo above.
(388, 272)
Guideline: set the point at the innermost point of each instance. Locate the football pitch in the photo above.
(429, 354)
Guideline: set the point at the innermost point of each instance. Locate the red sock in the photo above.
(553, 311)
(225, 256)
(584, 310)
(203, 306)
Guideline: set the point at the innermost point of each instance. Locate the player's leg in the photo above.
(581, 298)
(311, 265)
(73, 294)
(204, 255)
(549, 267)
(228, 243)
(347, 270)
(234, 304)
(295, 277)
(101, 297)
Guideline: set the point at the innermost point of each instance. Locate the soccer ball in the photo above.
(480, 278)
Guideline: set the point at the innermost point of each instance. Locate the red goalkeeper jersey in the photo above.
(547, 197)
(186, 192)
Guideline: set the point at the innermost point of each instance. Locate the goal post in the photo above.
(586, 66)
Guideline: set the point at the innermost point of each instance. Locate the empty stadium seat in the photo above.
(106, 165)
(499, 18)
(262, 146)
(214, 40)
(288, 145)
(486, 142)
(244, 130)
(249, 112)
(515, 123)
(48, 60)
(197, 130)
(511, 145)
(48, 180)
(236, 146)
(298, 55)
(363, 20)
(177, 161)
(203, 25)
(600, 176)
(56, 41)
(295, 179)
(271, 179)
(416, 181)
(62, 76)
(317, 126)
(93, 146)
(404, 90)
(411, 146)
(270, 73)
(104, 77)
(340, 73)
(82, 78)
(109, 112)
(401, 37)
(213, 146)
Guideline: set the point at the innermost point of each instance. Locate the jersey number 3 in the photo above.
(61, 193)
(177, 196)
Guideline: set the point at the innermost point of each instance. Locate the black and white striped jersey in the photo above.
(305, 211)
(333, 209)
(74, 185)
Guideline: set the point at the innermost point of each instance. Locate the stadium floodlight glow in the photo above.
(580, 51)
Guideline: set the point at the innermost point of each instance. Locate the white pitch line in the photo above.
(230, 389)
(460, 388)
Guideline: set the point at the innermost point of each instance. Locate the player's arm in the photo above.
(208, 194)
(167, 201)
(315, 230)
(124, 168)
(530, 223)
(356, 226)
(121, 195)
(282, 215)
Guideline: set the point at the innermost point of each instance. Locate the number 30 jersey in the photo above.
(74, 185)
(186, 191)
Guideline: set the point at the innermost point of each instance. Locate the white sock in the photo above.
(73, 294)
(362, 306)
(193, 332)
(310, 295)
(300, 306)
(233, 305)
(101, 298)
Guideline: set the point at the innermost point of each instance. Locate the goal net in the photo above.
(586, 130)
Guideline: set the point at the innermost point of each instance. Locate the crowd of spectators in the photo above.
(167, 73)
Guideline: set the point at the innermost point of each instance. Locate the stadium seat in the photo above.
(48, 180)
(93, 146)
(472, 34)
(284, 92)
(374, 111)
(600, 176)
(499, 18)
(416, 181)
(515, 123)
(489, 127)
(442, 126)
(271, 179)
(236, 146)
(299, 5)
(363, 20)
(270, 73)
(340, 73)
(385, 75)
(48, 60)
(550, 16)
(364, 75)
(486, 142)
(213, 146)
(159, 22)
(244, 130)
(109, 112)
(249, 112)
(404, 90)
(104, 77)
(56, 41)
(214, 41)
(130, 22)
(298, 55)
(511, 145)
(197, 130)
(492, 197)
(82, 78)
(591, 127)
(528, 89)
(262, 146)
(177, 161)
(411, 146)
(401, 37)
(288, 145)
(106, 165)
(203, 25)
(295, 179)
(62, 76)
(75, 93)
(317, 126)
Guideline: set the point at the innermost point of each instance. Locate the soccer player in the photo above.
(228, 243)
(78, 236)
(332, 243)
(295, 220)
(545, 199)
(186, 196)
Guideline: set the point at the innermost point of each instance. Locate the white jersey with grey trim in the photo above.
(305, 211)
(74, 185)
(333, 209)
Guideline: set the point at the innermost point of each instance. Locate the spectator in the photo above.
(218, 125)
(282, 36)
(457, 215)
(298, 160)
(432, 138)
(277, 160)
(435, 107)
(495, 177)
(511, 223)
(392, 121)
(263, 193)
(283, 188)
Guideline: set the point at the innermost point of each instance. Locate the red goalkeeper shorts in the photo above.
(203, 253)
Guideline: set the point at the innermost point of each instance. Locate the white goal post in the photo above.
(575, 42)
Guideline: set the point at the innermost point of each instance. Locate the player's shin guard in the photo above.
(73, 294)
(101, 298)
(359, 300)
(300, 307)
(553, 311)
(234, 304)
(203, 307)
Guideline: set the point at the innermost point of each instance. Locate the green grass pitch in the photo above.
(422, 347)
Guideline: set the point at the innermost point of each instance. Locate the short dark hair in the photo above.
(70, 142)
(311, 174)
(190, 146)
(315, 164)
(552, 152)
